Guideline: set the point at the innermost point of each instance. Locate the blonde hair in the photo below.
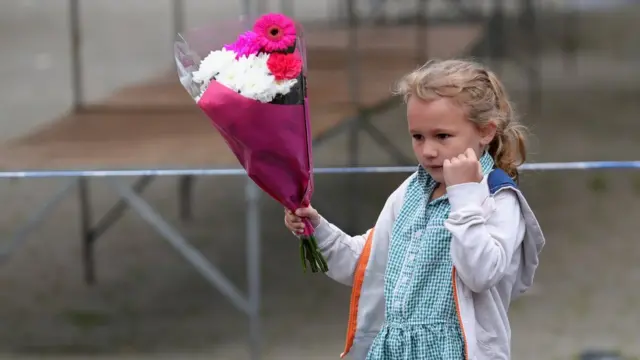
(482, 96)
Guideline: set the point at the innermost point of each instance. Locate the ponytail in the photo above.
(508, 148)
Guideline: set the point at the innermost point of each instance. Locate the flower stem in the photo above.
(318, 255)
(310, 252)
(310, 256)
(303, 256)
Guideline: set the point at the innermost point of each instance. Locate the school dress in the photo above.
(421, 320)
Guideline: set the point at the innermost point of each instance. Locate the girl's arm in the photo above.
(486, 232)
(340, 250)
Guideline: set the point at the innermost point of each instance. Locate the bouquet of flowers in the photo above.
(253, 89)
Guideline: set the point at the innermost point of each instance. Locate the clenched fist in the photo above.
(294, 222)
(461, 169)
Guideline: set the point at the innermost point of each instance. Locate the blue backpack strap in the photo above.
(498, 179)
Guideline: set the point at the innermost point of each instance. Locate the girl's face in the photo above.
(440, 130)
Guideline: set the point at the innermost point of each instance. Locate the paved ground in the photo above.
(149, 303)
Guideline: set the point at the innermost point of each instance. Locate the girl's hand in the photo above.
(294, 223)
(464, 168)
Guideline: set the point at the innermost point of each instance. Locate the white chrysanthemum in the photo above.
(233, 75)
(213, 64)
(259, 85)
(284, 86)
(250, 77)
(258, 62)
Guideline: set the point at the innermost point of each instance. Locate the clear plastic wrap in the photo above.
(249, 78)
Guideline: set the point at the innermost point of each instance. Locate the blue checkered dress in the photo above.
(420, 311)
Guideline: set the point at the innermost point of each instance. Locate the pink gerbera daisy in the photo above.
(246, 44)
(275, 32)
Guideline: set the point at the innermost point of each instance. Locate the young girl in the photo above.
(455, 243)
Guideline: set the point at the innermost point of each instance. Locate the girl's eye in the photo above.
(417, 137)
(442, 136)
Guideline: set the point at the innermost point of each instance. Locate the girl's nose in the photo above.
(429, 151)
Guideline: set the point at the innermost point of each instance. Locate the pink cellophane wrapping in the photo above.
(272, 142)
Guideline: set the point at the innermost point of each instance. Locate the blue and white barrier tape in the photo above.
(580, 165)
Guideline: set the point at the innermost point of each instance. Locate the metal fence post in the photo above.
(75, 35)
(533, 69)
(496, 41)
(570, 41)
(253, 267)
(354, 95)
(286, 7)
(178, 16)
(247, 9)
(88, 239)
(422, 46)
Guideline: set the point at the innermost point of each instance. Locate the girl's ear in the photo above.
(487, 133)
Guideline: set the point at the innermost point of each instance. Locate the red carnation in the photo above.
(284, 66)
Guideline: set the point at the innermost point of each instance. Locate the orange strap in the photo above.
(457, 301)
(358, 279)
